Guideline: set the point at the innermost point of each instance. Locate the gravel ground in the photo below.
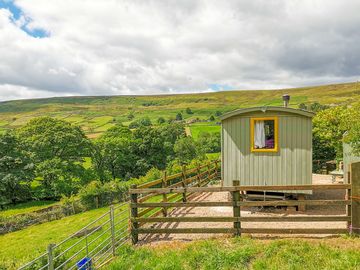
(227, 211)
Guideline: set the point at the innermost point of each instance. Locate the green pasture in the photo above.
(26, 207)
(197, 129)
(243, 253)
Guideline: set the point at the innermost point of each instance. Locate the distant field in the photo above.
(197, 129)
(97, 114)
(27, 207)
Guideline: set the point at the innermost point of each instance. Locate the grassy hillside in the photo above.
(96, 114)
(244, 253)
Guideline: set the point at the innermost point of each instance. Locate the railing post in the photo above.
(216, 169)
(134, 214)
(209, 172)
(236, 208)
(50, 251)
(184, 182)
(355, 198)
(198, 175)
(163, 185)
(348, 197)
(112, 224)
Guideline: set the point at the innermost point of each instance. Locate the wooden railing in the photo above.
(351, 203)
(197, 177)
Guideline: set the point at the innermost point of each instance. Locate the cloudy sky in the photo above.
(111, 47)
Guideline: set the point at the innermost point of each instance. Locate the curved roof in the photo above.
(266, 109)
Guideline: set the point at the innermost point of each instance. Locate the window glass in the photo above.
(264, 134)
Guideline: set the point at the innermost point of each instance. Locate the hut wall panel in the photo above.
(290, 165)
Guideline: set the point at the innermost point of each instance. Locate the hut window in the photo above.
(264, 135)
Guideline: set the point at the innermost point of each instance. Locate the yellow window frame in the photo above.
(276, 133)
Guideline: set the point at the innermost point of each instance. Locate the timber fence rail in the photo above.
(351, 204)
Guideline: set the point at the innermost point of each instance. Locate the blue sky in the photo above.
(17, 13)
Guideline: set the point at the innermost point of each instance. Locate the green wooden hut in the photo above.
(267, 146)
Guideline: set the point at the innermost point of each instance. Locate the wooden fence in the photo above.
(197, 177)
(351, 202)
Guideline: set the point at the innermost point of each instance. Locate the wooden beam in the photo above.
(355, 197)
(241, 203)
(243, 230)
(245, 219)
(239, 188)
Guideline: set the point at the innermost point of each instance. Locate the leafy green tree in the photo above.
(16, 170)
(302, 106)
(317, 107)
(209, 142)
(145, 121)
(212, 118)
(329, 127)
(353, 135)
(185, 149)
(218, 113)
(178, 117)
(189, 111)
(130, 116)
(161, 120)
(58, 149)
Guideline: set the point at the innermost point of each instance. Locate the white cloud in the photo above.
(146, 47)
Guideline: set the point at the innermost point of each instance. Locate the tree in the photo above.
(178, 117)
(16, 169)
(329, 127)
(185, 149)
(145, 121)
(189, 111)
(302, 106)
(353, 135)
(218, 113)
(58, 149)
(209, 142)
(130, 116)
(212, 118)
(161, 120)
(114, 158)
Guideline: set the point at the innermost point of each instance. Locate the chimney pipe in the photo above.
(286, 99)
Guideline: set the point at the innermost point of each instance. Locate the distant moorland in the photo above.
(97, 114)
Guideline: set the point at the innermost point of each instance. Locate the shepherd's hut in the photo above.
(267, 146)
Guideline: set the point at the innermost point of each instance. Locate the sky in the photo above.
(119, 47)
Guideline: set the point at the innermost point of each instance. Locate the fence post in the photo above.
(50, 249)
(134, 214)
(355, 198)
(198, 174)
(112, 224)
(209, 173)
(236, 208)
(216, 169)
(163, 185)
(184, 182)
(348, 196)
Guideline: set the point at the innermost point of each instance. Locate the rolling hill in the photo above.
(97, 114)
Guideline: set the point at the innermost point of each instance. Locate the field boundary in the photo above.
(239, 199)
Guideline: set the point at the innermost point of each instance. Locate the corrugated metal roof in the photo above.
(267, 109)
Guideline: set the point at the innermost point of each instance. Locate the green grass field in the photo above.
(197, 129)
(27, 207)
(243, 253)
(97, 114)
(21, 246)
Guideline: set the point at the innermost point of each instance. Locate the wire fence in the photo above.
(89, 248)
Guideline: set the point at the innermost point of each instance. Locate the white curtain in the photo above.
(259, 134)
